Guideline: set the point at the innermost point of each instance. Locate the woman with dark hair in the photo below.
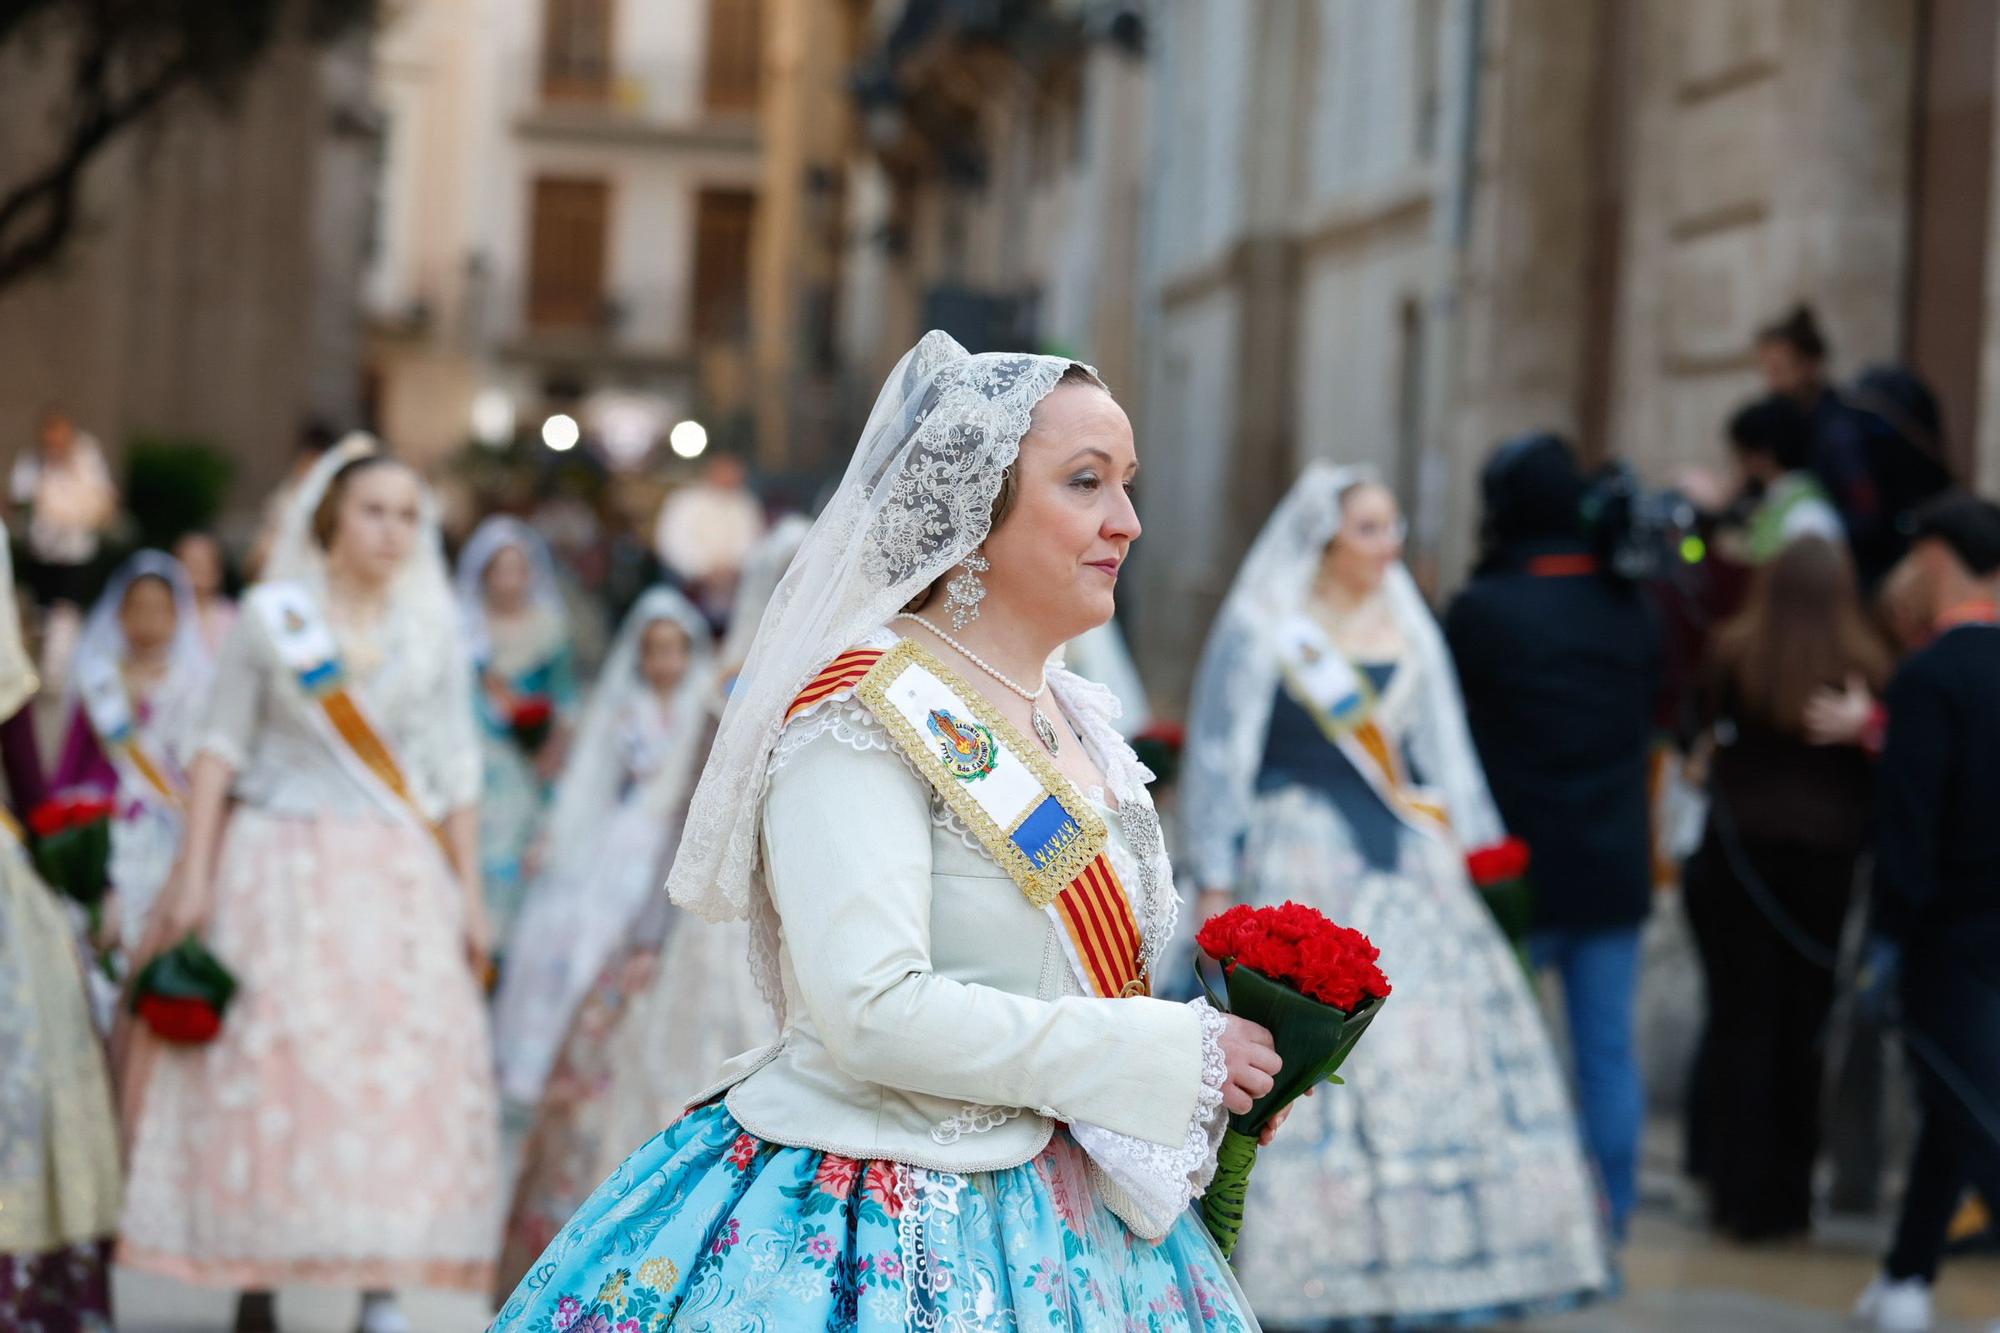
(343, 1128)
(1770, 887)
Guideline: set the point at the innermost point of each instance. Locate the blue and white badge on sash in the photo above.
(299, 632)
(105, 702)
(1043, 839)
(1319, 671)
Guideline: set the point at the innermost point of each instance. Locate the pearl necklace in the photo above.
(1045, 730)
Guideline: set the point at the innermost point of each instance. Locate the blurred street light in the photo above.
(492, 418)
(560, 432)
(688, 439)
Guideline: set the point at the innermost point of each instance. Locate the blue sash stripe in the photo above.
(1046, 832)
(322, 677)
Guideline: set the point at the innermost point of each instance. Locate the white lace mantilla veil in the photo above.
(762, 568)
(1230, 710)
(917, 498)
(18, 681)
(494, 535)
(591, 776)
(421, 600)
(101, 646)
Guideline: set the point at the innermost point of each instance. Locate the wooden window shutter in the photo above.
(576, 50)
(723, 220)
(735, 55)
(567, 253)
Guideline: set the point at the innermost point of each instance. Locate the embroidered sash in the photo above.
(109, 709)
(1027, 816)
(1342, 702)
(306, 648)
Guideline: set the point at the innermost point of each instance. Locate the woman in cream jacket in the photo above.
(974, 1115)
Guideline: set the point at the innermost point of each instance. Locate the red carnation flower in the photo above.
(534, 711)
(183, 1020)
(1504, 860)
(47, 818)
(1299, 947)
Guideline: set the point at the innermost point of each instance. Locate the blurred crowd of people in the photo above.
(422, 811)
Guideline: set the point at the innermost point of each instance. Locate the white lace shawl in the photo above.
(589, 786)
(1231, 707)
(1147, 1184)
(495, 534)
(175, 705)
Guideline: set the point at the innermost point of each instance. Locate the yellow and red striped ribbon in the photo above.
(843, 673)
(1097, 912)
(375, 755)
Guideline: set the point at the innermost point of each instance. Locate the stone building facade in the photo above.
(212, 289)
(1396, 234)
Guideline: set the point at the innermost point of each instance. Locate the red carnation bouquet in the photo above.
(531, 719)
(1316, 987)
(72, 849)
(1500, 873)
(182, 993)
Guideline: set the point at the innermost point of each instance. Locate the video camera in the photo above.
(1640, 535)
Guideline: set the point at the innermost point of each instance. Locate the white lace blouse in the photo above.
(931, 1016)
(419, 698)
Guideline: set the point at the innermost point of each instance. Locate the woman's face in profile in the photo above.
(1058, 553)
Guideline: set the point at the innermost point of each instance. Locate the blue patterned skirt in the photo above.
(709, 1228)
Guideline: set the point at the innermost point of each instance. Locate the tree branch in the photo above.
(36, 216)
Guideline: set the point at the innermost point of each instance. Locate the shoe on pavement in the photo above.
(1895, 1306)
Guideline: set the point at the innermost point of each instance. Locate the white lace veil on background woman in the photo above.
(421, 597)
(1235, 687)
(181, 694)
(590, 780)
(917, 498)
(766, 564)
(494, 535)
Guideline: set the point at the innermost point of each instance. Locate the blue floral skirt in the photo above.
(707, 1227)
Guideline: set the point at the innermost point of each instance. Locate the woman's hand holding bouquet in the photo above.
(1309, 988)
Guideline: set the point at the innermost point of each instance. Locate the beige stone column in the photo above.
(1523, 299)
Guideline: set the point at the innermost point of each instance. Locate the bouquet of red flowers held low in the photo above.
(1316, 987)
(72, 849)
(182, 993)
(531, 719)
(1500, 873)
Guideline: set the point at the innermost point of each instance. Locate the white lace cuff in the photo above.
(1157, 1182)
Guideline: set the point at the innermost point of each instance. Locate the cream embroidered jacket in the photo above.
(932, 1016)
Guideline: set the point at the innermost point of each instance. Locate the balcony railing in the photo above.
(652, 100)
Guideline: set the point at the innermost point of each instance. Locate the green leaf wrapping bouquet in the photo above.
(1316, 987)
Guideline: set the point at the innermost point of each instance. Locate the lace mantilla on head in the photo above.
(916, 500)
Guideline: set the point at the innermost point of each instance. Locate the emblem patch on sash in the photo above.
(966, 747)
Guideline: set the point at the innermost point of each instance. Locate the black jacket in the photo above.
(1561, 673)
(1938, 842)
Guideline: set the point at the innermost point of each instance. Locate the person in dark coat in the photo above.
(1561, 665)
(1937, 893)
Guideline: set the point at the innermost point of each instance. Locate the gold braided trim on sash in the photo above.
(1041, 884)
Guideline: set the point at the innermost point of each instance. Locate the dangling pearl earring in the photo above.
(963, 594)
